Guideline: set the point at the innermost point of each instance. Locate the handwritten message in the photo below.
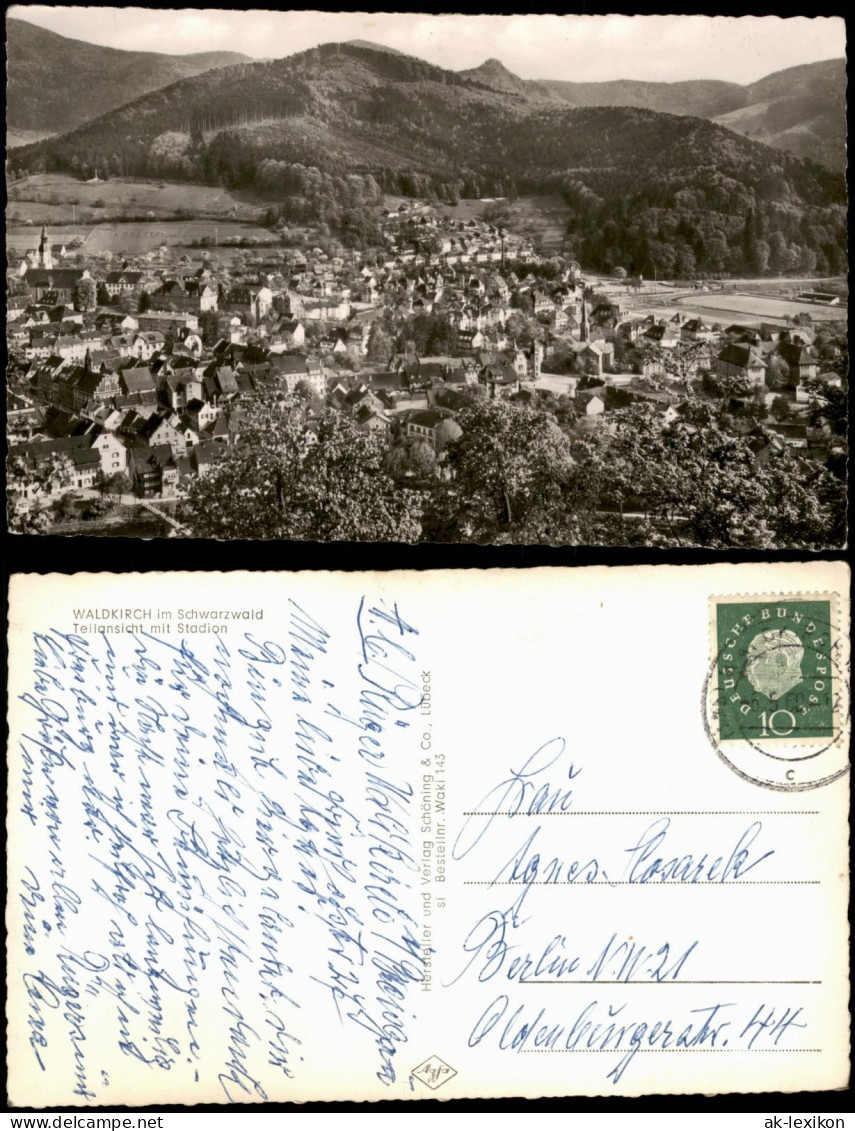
(221, 844)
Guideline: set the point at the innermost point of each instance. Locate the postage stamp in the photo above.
(777, 690)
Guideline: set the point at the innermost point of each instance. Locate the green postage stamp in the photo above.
(777, 689)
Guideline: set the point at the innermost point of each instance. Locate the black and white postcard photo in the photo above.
(567, 281)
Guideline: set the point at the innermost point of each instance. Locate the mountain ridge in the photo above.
(800, 109)
(54, 82)
(374, 46)
(346, 78)
(324, 133)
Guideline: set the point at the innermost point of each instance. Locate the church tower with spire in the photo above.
(585, 329)
(45, 254)
(536, 360)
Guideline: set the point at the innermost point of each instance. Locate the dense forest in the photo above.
(647, 191)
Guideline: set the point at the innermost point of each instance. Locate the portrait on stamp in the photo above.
(778, 686)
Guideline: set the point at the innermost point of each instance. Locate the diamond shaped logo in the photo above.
(434, 1072)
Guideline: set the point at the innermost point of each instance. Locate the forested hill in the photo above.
(637, 181)
(800, 109)
(494, 74)
(55, 83)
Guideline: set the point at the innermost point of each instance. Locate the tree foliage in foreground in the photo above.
(513, 474)
(698, 484)
(297, 477)
(29, 488)
(692, 482)
(516, 475)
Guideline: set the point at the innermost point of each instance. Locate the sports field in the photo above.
(761, 307)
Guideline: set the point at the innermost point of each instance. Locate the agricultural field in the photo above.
(542, 219)
(463, 210)
(25, 238)
(54, 197)
(38, 213)
(138, 239)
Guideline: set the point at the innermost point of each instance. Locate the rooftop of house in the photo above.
(744, 356)
(429, 417)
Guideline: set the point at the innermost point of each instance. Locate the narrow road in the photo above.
(130, 500)
(177, 527)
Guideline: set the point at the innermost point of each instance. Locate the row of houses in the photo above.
(182, 401)
(765, 358)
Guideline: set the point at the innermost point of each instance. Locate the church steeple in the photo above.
(585, 330)
(45, 255)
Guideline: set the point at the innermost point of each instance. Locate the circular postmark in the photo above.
(776, 694)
